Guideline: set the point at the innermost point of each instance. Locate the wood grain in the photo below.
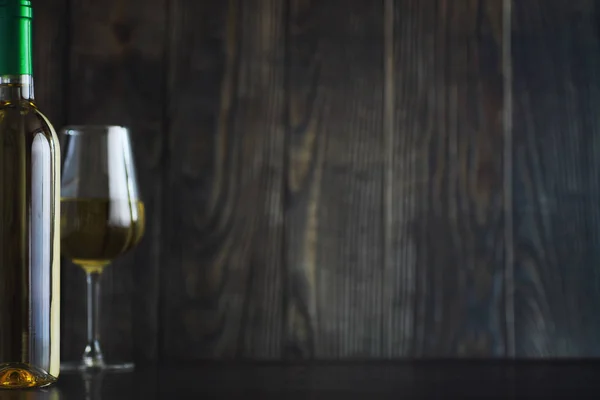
(50, 51)
(117, 77)
(556, 62)
(336, 174)
(334, 217)
(222, 277)
(50, 47)
(446, 285)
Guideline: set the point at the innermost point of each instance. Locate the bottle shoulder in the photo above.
(24, 115)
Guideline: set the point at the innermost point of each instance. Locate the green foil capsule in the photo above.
(15, 37)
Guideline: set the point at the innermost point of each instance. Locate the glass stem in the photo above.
(92, 356)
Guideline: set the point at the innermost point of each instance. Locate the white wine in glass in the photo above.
(102, 216)
(97, 231)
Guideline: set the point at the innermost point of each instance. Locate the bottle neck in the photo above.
(16, 88)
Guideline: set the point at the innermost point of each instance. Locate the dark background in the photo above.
(341, 179)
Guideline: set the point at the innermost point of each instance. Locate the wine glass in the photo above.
(102, 216)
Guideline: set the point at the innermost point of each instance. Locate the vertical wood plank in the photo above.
(447, 284)
(334, 202)
(222, 274)
(50, 50)
(117, 77)
(49, 57)
(556, 64)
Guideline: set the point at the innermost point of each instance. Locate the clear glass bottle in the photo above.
(29, 215)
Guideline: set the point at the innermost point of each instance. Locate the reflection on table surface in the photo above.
(92, 386)
(422, 380)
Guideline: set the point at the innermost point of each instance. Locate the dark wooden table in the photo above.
(355, 380)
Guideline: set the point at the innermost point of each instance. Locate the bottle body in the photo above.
(29, 241)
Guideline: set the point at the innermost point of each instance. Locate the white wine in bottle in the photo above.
(29, 215)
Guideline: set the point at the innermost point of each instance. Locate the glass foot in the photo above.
(109, 367)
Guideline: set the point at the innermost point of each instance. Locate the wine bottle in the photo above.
(29, 215)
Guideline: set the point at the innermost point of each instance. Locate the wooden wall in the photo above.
(342, 179)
